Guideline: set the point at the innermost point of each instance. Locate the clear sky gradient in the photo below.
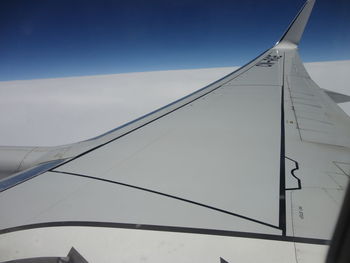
(47, 39)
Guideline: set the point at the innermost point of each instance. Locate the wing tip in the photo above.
(293, 34)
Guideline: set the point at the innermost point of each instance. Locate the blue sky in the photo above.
(45, 39)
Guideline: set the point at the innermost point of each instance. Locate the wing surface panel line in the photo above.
(282, 203)
(202, 231)
(166, 113)
(189, 230)
(170, 196)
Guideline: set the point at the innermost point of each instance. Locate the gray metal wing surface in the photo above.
(261, 153)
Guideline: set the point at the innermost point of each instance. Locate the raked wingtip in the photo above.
(293, 34)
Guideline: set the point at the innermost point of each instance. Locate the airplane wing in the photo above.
(254, 165)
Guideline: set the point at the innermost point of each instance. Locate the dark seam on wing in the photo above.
(171, 196)
(165, 114)
(190, 230)
(282, 198)
(292, 173)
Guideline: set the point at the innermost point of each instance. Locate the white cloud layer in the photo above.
(49, 112)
